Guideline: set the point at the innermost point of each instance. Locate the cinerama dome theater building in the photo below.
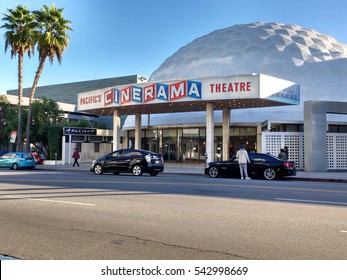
(315, 61)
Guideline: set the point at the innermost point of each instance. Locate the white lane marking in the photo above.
(311, 201)
(50, 200)
(61, 201)
(344, 231)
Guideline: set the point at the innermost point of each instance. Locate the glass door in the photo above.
(170, 144)
(190, 145)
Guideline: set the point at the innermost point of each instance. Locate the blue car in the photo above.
(16, 160)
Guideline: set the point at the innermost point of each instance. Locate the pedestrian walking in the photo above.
(243, 159)
(76, 156)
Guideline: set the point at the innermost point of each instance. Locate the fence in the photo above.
(272, 142)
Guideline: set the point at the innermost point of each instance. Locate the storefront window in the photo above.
(131, 139)
(202, 145)
(169, 148)
(246, 136)
(218, 143)
(190, 144)
(151, 141)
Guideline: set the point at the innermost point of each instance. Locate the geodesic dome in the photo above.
(268, 48)
(315, 61)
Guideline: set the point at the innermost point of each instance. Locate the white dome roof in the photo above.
(266, 48)
(315, 61)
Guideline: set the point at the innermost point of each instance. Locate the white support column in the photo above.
(315, 124)
(226, 133)
(138, 131)
(70, 148)
(116, 130)
(210, 132)
(259, 145)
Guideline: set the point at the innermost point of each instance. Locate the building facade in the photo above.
(314, 61)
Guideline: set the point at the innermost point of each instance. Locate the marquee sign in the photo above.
(207, 89)
(79, 131)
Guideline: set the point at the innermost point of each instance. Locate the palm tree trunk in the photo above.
(32, 94)
(20, 95)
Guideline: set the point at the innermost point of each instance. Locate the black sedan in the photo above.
(129, 161)
(261, 166)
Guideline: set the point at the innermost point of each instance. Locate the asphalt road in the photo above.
(79, 215)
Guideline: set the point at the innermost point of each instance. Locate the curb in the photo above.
(72, 169)
(327, 180)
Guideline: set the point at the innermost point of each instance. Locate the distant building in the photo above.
(67, 92)
(66, 96)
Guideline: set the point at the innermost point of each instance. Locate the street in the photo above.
(78, 215)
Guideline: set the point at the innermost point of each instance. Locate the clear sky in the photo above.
(124, 37)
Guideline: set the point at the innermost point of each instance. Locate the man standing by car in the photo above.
(243, 159)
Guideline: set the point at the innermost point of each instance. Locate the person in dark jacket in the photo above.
(282, 155)
(286, 151)
(76, 156)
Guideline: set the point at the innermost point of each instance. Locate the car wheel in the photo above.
(98, 169)
(154, 173)
(137, 170)
(270, 174)
(15, 166)
(213, 172)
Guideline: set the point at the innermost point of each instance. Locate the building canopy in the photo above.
(233, 92)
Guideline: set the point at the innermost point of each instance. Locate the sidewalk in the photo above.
(198, 169)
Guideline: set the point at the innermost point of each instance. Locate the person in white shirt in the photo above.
(243, 159)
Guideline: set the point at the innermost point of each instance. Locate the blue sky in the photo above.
(123, 37)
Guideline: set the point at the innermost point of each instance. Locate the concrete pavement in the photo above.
(198, 169)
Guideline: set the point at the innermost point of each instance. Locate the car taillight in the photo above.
(288, 164)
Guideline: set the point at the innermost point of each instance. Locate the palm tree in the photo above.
(19, 25)
(52, 39)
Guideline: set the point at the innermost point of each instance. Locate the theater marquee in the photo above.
(190, 91)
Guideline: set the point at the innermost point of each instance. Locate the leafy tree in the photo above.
(19, 36)
(85, 123)
(54, 136)
(52, 39)
(45, 114)
(8, 120)
(82, 123)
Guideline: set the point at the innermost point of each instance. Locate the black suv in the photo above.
(129, 160)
